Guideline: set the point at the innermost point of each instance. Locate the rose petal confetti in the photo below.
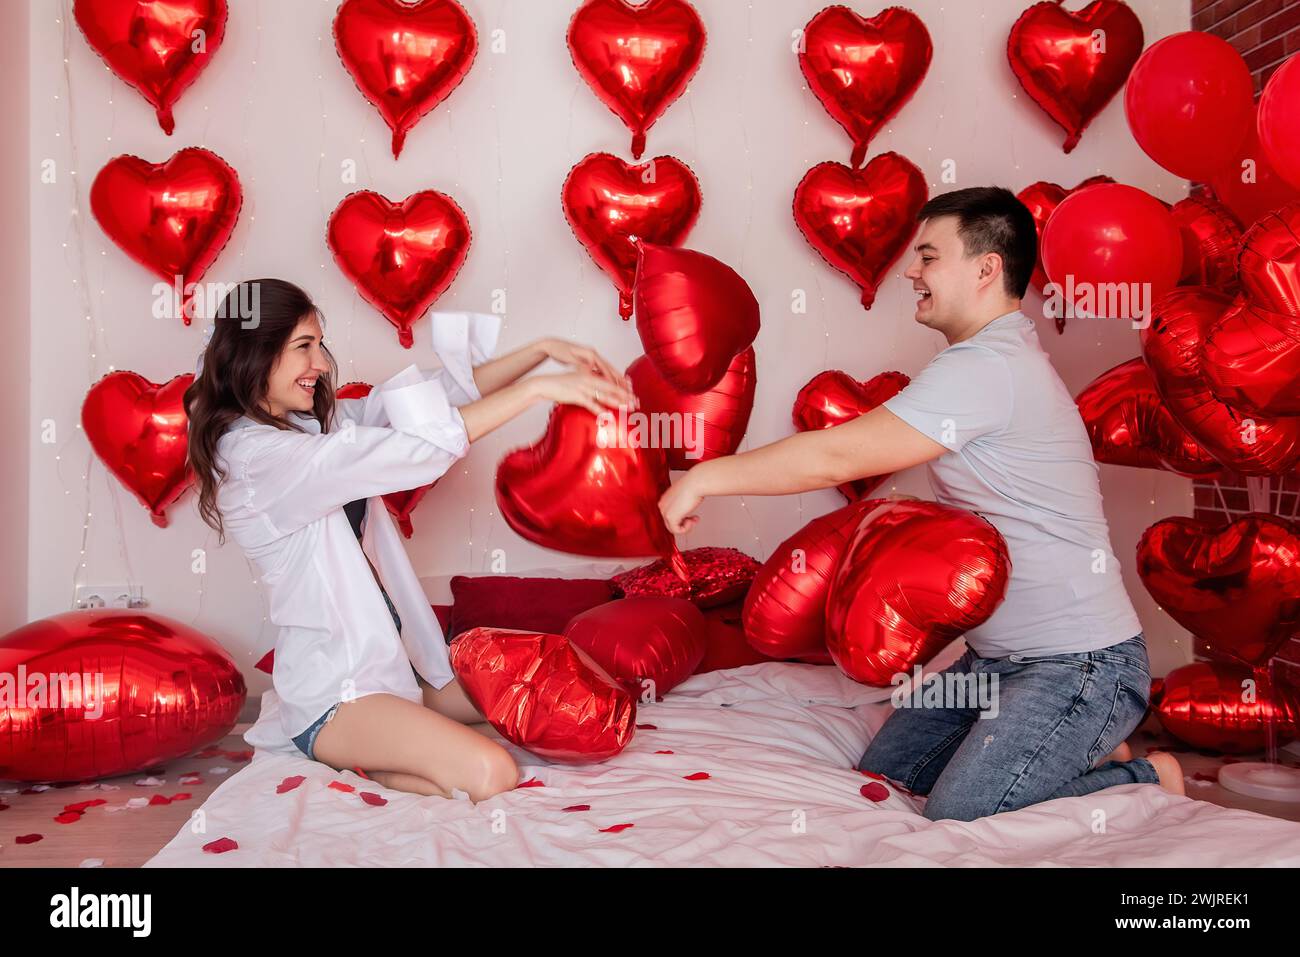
(220, 846)
(28, 838)
(359, 773)
(615, 828)
(373, 799)
(664, 752)
(697, 776)
(160, 799)
(289, 783)
(150, 782)
(220, 770)
(82, 805)
(190, 779)
(182, 796)
(92, 862)
(647, 727)
(137, 802)
(577, 807)
(875, 791)
(342, 786)
(68, 817)
(531, 783)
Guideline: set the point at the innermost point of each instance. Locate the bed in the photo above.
(751, 766)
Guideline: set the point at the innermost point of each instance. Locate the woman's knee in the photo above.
(492, 771)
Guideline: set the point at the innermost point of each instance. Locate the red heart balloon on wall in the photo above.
(713, 422)
(914, 576)
(1129, 424)
(173, 218)
(1173, 346)
(1073, 64)
(864, 70)
(1204, 704)
(833, 398)
(588, 487)
(544, 693)
(860, 221)
(785, 608)
(648, 644)
(1041, 199)
(400, 505)
(140, 432)
(158, 48)
(405, 58)
(121, 691)
(1237, 586)
(1211, 242)
(402, 257)
(636, 59)
(611, 206)
(694, 314)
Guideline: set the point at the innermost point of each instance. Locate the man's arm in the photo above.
(875, 443)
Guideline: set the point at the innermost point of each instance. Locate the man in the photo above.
(1000, 436)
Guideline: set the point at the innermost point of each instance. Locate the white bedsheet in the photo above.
(779, 743)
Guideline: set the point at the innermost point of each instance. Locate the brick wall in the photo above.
(1265, 33)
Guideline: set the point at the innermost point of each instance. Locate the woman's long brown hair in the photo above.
(251, 327)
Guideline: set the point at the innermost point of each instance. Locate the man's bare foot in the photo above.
(1121, 754)
(1170, 771)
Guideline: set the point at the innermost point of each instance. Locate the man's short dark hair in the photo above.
(991, 220)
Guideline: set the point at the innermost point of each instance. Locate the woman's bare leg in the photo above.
(414, 748)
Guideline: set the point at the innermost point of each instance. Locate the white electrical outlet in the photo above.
(109, 596)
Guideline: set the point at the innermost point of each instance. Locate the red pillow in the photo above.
(443, 612)
(531, 604)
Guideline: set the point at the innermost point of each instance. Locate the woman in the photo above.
(361, 666)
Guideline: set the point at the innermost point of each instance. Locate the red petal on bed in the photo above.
(289, 783)
(373, 799)
(615, 828)
(28, 838)
(870, 774)
(182, 796)
(875, 791)
(69, 817)
(238, 755)
(1204, 776)
(159, 799)
(3, 806)
(362, 774)
(220, 846)
(531, 783)
(664, 752)
(577, 807)
(342, 786)
(697, 776)
(82, 805)
(647, 727)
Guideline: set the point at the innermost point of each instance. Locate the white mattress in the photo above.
(779, 743)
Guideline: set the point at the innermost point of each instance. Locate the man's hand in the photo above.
(680, 501)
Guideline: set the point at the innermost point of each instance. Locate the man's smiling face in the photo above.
(946, 280)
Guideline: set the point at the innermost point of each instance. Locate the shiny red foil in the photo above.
(914, 576)
(716, 576)
(1211, 242)
(1204, 704)
(1236, 586)
(124, 690)
(140, 432)
(404, 58)
(648, 644)
(833, 398)
(544, 694)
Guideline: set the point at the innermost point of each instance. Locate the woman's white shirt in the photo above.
(282, 501)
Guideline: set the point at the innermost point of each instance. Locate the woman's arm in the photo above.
(595, 392)
(508, 369)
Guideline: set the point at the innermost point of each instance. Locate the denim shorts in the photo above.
(307, 740)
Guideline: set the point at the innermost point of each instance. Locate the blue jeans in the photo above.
(307, 740)
(1053, 717)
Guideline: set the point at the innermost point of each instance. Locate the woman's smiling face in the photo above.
(299, 370)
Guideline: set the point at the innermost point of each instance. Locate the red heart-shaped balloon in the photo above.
(1129, 424)
(860, 221)
(544, 693)
(914, 576)
(1237, 586)
(1252, 354)
(1204, 704)
(589, 487)
(636, 58)
(1041, 199)
(140, 432)
(400, 505)
(833, 398)
(405, 58)
(785, 608)
(173, 217)
(1211, 243)
(158, 48)
(122, 691)
(1072, 64)
(711, 423)
(694, 314)
(1173, 347)
(864, 70)
(611, 206)
(648, 644)
(402, 257)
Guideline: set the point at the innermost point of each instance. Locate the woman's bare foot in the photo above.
(1170, 771)
(1121, 754)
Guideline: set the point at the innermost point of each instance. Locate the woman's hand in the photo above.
(681, 499)
(582, 357)
(594, 392)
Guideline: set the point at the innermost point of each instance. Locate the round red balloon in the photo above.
(544, 693)
(1248, 185)
(1189, 102)
(1279, 120)
(1110, 251)
(1206, 705)
(1041, 199)
(914, 576)
(648, 644)
(94, 694)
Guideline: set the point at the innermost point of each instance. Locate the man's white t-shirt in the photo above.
(1020, 457)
